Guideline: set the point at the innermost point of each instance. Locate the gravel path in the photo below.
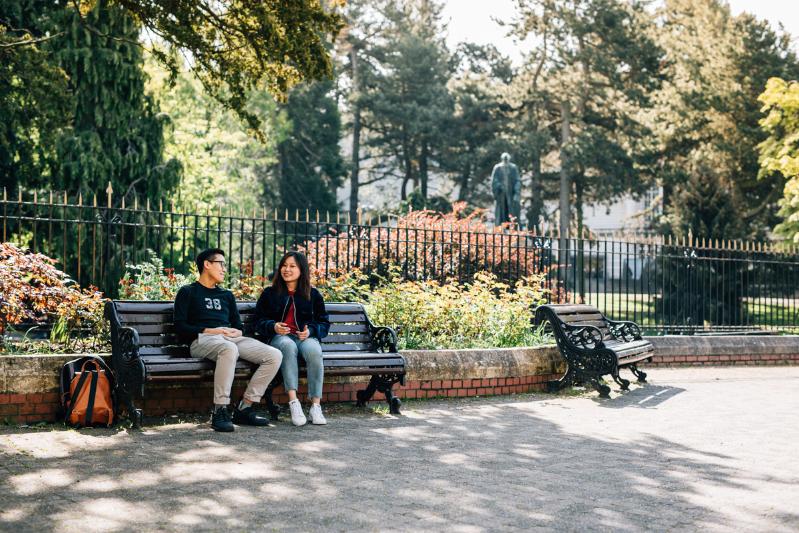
(707, 448)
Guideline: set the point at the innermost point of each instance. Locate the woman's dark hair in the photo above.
(303, 284)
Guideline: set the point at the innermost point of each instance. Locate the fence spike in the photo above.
(51, 198)
(19, 194)
(65, 197)
(136, 202)
(296, 215)
(109, 191)
(5, 195)
(338, 217)
(123, 203)
(35, 197)
(317, 216)
(80, 199)
(327, 216)
(147, 203)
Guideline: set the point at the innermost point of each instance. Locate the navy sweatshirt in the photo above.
(198, 307)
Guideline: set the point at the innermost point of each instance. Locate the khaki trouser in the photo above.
(225, 351)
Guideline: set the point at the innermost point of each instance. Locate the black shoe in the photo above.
(248, 417)
(220, 420)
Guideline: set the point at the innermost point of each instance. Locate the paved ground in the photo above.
(707, 449)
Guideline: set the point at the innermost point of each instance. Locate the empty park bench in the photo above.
(145, 348)
(594, 346)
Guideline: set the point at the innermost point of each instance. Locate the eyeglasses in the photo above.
(221, 263)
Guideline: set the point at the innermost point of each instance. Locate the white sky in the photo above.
(470, 20)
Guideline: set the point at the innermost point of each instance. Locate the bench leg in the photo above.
(271, 406)
(601, 388)
(134, 414)
(382, 384)
(623, 383)
(638, 373)
(567, 380)
(366, 394)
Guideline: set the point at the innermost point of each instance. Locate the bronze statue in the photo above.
(506, 186)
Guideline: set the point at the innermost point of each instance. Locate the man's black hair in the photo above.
(205, 255)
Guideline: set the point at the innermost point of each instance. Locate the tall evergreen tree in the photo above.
(116, 133)
(706, 117)
(405, 102)
(480, 128)
(34, 98)
(599, 65)
(309, 166)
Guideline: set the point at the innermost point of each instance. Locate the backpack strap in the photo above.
(92, 396)
(78, 388)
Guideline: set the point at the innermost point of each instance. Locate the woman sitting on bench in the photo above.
(291, 316)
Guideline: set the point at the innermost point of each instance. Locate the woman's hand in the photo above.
(304, 334)
(281, 328)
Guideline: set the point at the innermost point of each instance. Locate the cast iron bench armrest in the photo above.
(624, 330)
(584, 336)
(384, 339)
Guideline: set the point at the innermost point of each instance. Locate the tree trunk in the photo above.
(565, 178)
(463, 190)
(536, 210)
(406, 161)
(356, 135)
(423, 169)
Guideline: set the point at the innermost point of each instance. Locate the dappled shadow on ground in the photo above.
(645, 397)
(464, 466)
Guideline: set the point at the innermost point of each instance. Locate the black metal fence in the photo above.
(663, 284)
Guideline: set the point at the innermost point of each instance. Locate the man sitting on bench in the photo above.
(207, 319)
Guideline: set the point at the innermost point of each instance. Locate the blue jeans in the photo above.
(291, 347)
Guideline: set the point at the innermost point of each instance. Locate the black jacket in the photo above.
(271, 308)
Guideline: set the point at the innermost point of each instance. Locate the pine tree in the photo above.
(117, 133)
(405, 102)
(310, 166)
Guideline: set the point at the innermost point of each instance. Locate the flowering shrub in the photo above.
(427, 245)
(481, 314)
(33, 291)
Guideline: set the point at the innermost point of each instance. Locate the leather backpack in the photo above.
(87, 392)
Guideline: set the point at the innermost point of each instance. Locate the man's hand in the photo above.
(302, 335)
(281, 328)
(232, 332)
(215, 331)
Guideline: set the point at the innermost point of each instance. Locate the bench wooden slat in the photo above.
(347, 318)
(349, 328)
(159, 340)
(164, 350)
(346, 347)
(346, 308)
(587, 317)
(345, 337)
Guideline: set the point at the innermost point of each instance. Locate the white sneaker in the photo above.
(297, 416)
(316, 415)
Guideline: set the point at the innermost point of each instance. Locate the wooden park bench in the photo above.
(594, 346)
(145, 348)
